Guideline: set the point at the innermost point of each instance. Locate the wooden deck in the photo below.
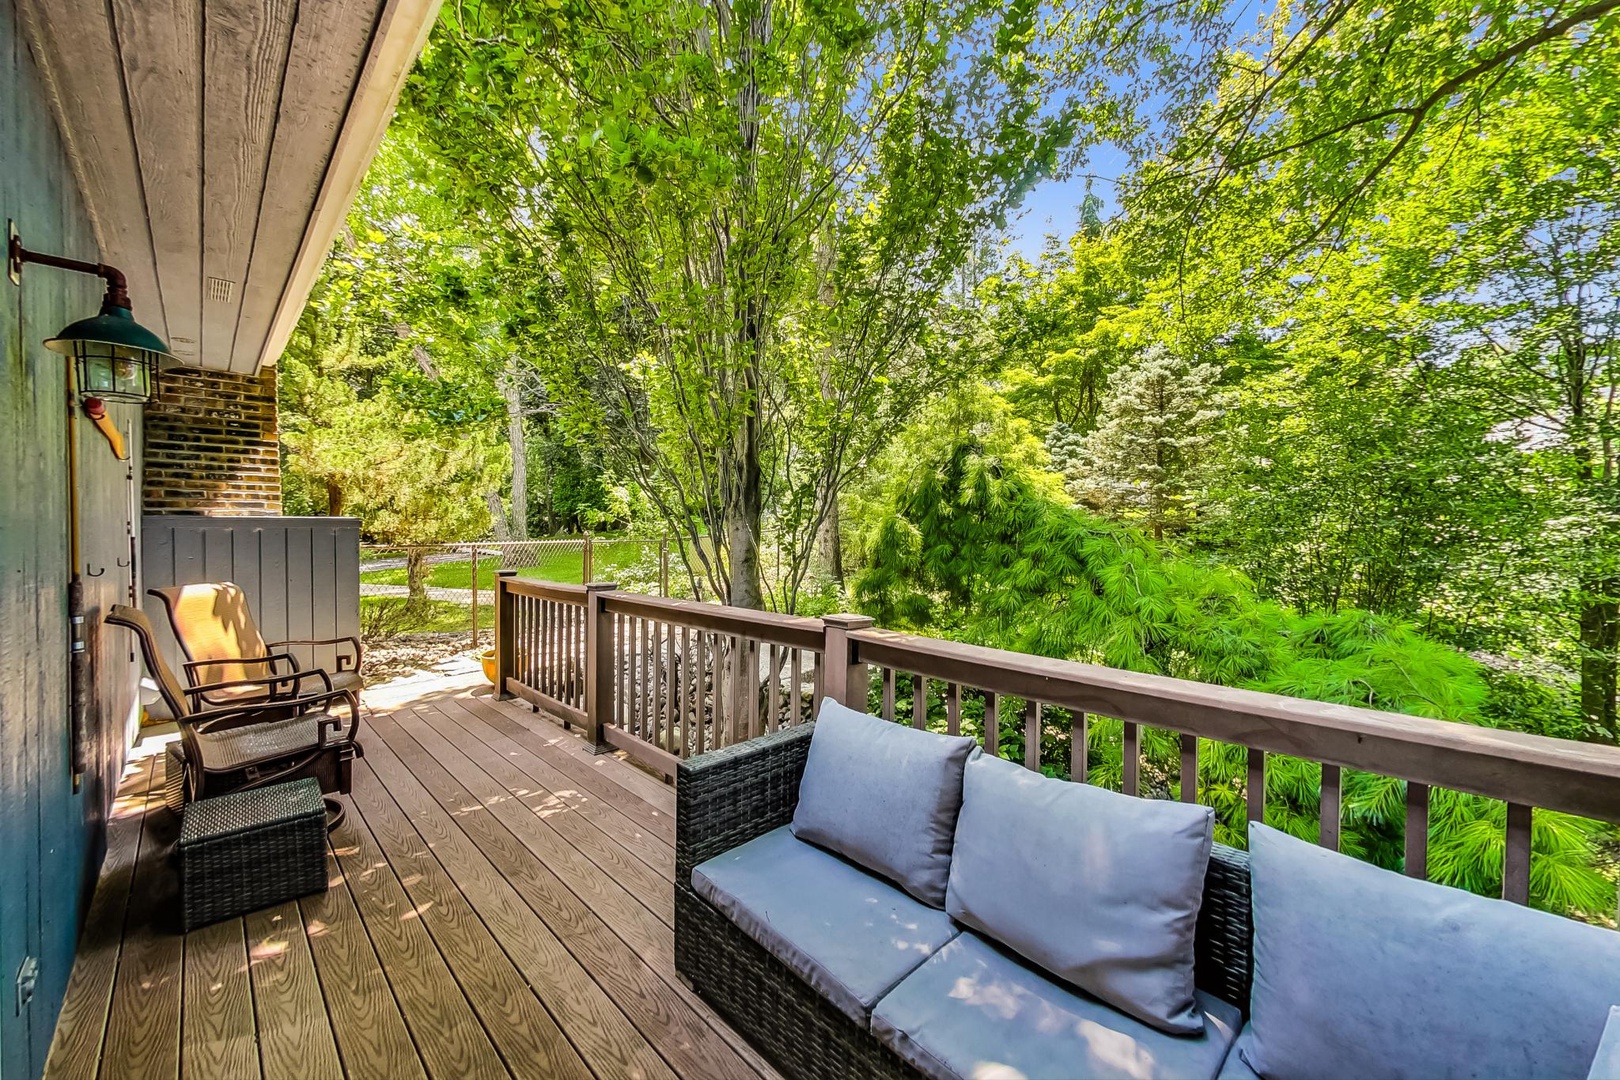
(501, 905)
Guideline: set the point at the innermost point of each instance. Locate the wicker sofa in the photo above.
(731, 796)
(1487, 988)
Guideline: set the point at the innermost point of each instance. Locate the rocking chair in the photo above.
(277, 735)
(215, 629)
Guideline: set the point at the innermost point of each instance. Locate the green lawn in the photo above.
(389, 614)
(564, 566)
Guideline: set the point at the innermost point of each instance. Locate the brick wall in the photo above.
(211, 444)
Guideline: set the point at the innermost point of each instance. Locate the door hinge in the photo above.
(27, 980)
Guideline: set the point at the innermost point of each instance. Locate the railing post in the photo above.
(505, 632)
(600, 664)
(587, 571)
(846, 678)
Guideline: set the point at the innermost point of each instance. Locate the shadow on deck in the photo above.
(501, 905)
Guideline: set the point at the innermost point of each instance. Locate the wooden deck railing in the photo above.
(666, 679)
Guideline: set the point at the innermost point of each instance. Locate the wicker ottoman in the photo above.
(251, 849)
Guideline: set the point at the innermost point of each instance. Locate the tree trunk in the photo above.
(1600, 639)
(744, 510)
(416, 576)
(830, 543)
(334, 498)
(743, 518)
(507, 382)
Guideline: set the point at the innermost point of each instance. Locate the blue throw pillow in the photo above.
(1100, 889)
(884, 796)
(1362, 972)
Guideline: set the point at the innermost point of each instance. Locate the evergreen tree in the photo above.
(1146, 458)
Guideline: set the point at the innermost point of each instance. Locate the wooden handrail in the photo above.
(1558, 774)
(543, 590)
(792, 631)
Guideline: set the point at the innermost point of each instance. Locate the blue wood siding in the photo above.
(50, 834)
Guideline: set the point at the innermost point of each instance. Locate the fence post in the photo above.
(600, 665)
(663, 566)
(587, 571)
(505, 632)
(846, 679)
(474, 563)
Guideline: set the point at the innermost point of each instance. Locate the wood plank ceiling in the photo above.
(219, 144)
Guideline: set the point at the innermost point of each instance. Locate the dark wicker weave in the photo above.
(251, 849)
(731, 796)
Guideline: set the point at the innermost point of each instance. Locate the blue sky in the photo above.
(1053, 206)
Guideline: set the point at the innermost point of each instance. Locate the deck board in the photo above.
(499, 906)
(76, 1050)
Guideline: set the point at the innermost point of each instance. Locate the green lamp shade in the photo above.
(116, 356)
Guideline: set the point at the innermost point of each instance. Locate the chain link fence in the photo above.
(449, 589)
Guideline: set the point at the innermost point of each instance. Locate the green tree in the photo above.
(1148, 457)
(974, 542)
(846, 153)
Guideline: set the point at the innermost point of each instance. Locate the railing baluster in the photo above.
(537, 644)
(992, 725)
(683, 675)
(700, 697)
(1516, 856)
(919, 701)
(888, 693)
(774, 720)
(1130, 761)
(520, 647)
(526, 613)
(576, 656)
(748, 676)
(669, 688)
(736, 712)
(819, 682)
(717, 690)
(1032, 736)
(953, 708)
(1332, 793)
(1189, 768)
(627, 675)
(1417, 830)
(646, 694)
(1079, 745)
(1257, 785)
(549, 623)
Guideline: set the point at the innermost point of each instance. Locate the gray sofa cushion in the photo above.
(1361, 972)
(973, 1010)
(1100, 889)
(884, 795)
(1606, 1061)
(848, 934)
(1237, 1067)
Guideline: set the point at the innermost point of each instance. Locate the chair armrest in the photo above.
(730, 796)
(191, 667)
(353, 662)
(259, 712)
(1606, 1062)
(270, 683)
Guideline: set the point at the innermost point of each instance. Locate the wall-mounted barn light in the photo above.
(115, 357)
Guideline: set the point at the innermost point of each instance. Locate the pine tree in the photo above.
(1145, 460)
